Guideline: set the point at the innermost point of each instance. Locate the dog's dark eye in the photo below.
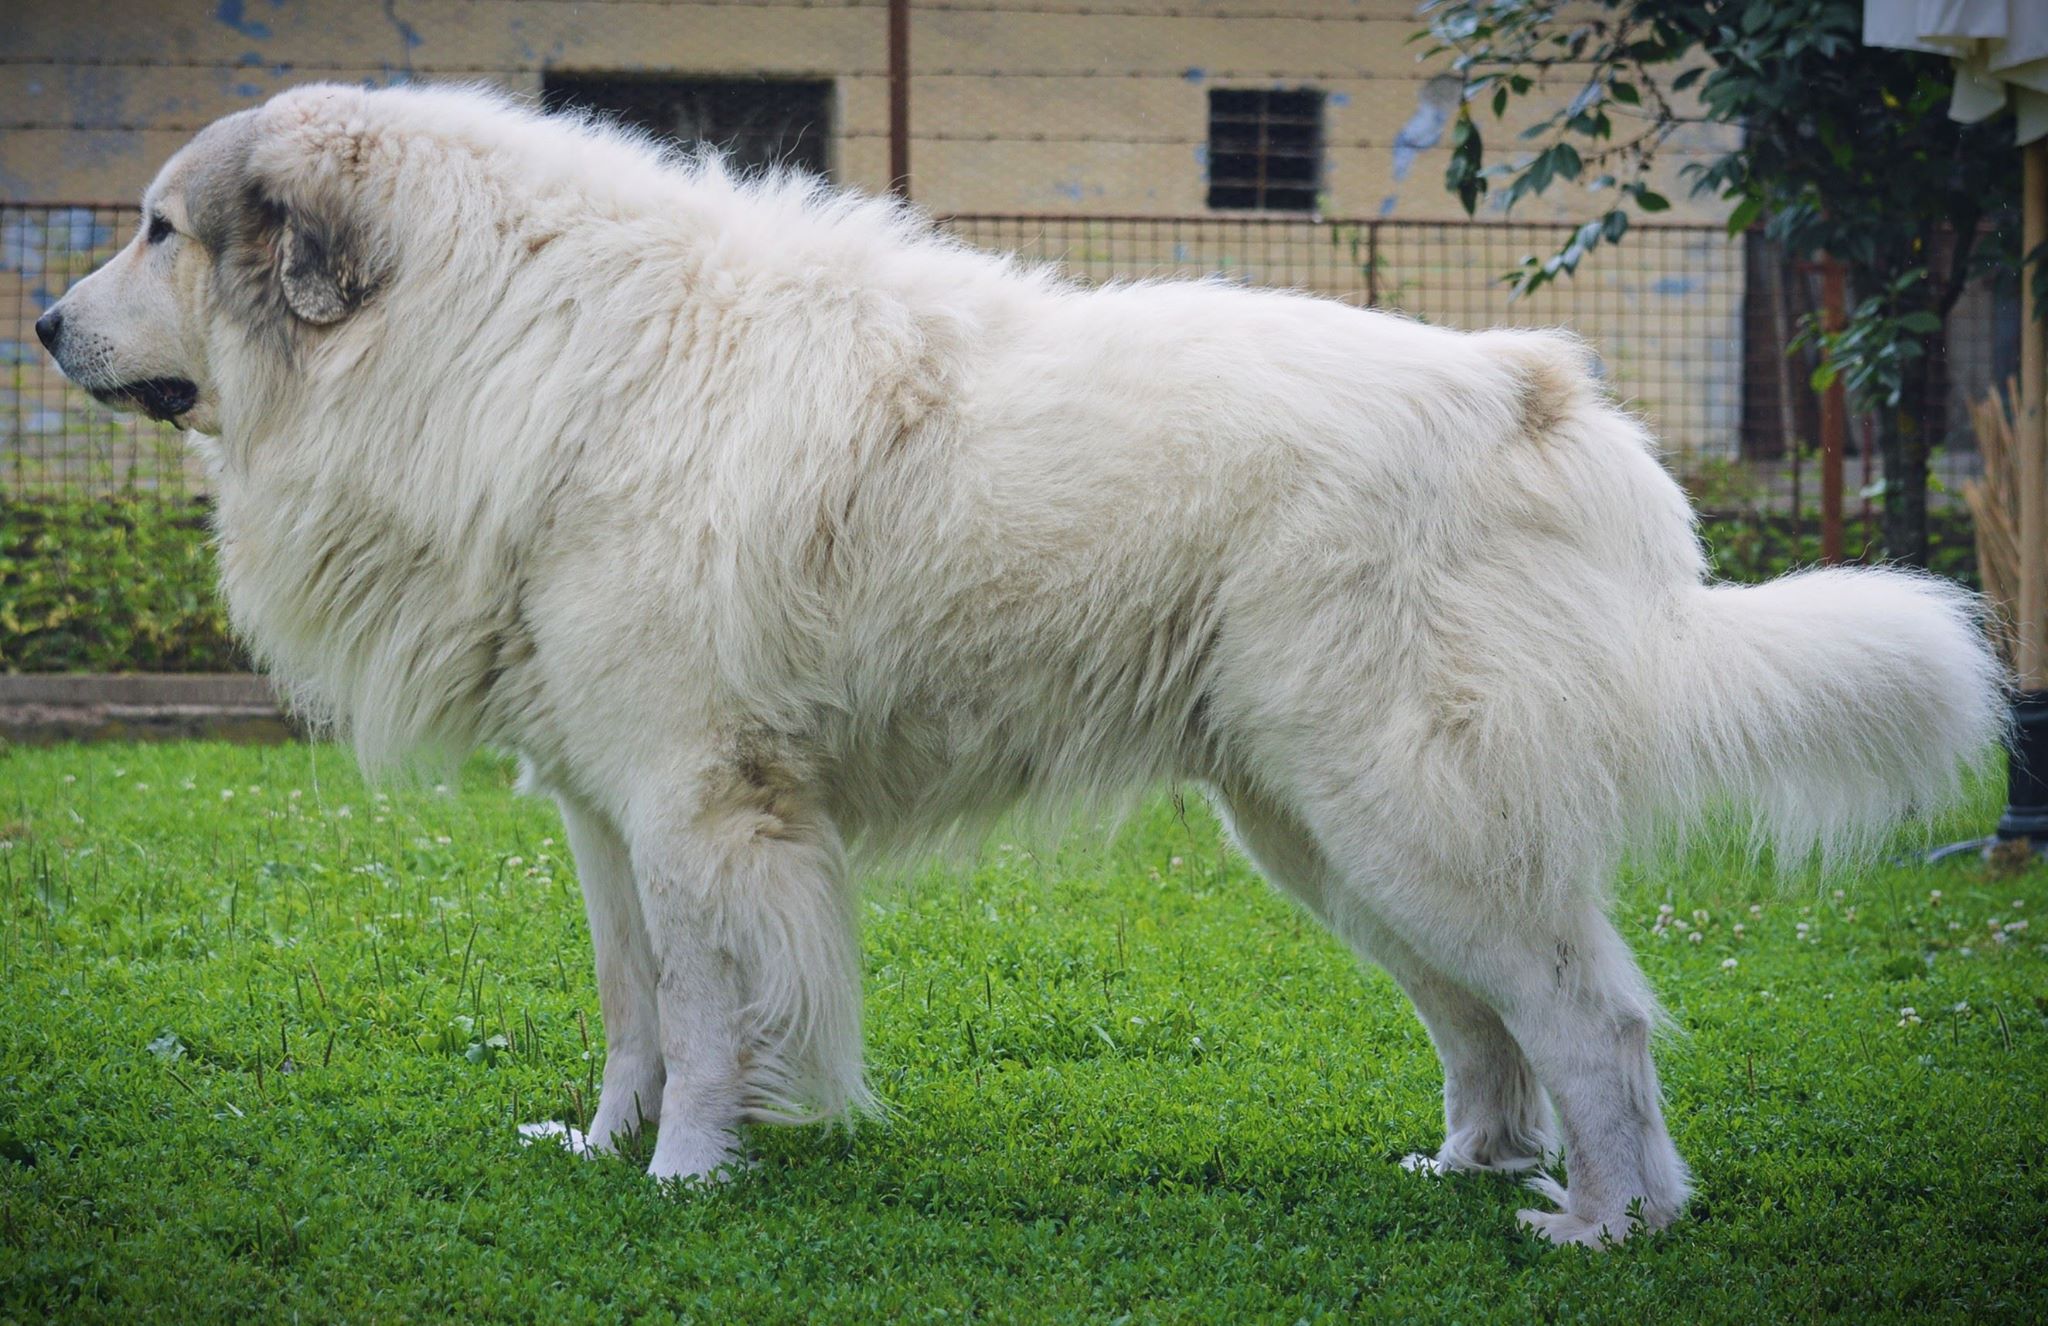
(159, 228)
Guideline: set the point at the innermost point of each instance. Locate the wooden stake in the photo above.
(899, 98)
(2033, 431)
(1834, 419)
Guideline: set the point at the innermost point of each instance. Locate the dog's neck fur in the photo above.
(395, 462)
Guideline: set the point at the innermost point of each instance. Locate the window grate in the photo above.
(1265, 149)
(759, 123)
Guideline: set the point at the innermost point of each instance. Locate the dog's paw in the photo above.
(709, 1157)
(573, 1140)
(1564, 1227)
(1447, 1161)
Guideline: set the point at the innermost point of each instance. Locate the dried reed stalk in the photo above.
(1994, 503)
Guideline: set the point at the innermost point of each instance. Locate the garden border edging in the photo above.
(41, 708)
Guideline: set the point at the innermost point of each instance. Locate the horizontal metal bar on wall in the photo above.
(1364, 222)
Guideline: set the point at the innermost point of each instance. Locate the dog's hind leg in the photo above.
(1496, 1114)
(1568, 991)
(743, 884)
(626, 977)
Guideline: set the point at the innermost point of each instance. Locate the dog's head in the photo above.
(257, 230)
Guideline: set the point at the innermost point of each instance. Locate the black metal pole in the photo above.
(2026, 794)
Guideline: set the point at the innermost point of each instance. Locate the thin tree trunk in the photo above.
(1906, 434)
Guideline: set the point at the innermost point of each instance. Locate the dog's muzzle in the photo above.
(163, 399)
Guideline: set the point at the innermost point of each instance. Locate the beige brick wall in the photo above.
(1011, 110)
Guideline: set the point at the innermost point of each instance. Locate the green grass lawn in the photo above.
(265, 1035)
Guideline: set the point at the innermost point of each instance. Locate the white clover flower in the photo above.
(549, 842)
(1908, 1017)
(1699, 916)
(1965, 951)
(295, 794)
(1173, 863)
(1934, 897)
(227, 794)
(515, 861)
(1696, 937)
(142, 787)
(343, 812)
(1740, 929)
(1962, 1007)
(2013, 927)
(1756, 909)
(443, 839)
(70, 778)
(1665, 909)
(1727, 964)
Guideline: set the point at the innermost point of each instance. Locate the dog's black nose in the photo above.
(48, 328)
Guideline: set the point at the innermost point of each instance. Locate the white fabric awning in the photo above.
(2000, 48)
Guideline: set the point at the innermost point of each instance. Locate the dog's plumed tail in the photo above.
(1829, 704)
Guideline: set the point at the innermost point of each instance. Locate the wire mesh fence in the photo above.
(1673, 314)
(1682, 318)
(54, 438)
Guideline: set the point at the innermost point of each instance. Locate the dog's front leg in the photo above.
(742, 882)
(626, 977)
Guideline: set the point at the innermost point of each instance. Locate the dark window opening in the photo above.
(1265, 149)
(756, 122)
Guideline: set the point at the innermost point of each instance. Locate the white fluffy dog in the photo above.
(766, 524)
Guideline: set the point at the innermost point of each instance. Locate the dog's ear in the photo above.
(322, 267)
(297, 223)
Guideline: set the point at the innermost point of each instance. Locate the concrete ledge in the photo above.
(36, 709)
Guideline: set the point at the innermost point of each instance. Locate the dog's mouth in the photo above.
(163, 399)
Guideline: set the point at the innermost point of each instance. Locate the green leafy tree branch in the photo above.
(1844, 150)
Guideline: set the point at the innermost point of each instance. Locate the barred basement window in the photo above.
(1265, 149)
(757, 122)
